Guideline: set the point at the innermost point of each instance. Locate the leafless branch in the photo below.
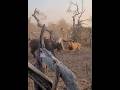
(84, 20)
(36, 18)
(41, 37)
(81, 13)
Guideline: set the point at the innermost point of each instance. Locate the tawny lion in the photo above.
(74, 45)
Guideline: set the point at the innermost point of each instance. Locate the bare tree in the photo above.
(77, 12)
(77, 20)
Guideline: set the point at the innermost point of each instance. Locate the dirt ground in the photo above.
(80, 62)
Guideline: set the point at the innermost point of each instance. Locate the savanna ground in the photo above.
(79, 61)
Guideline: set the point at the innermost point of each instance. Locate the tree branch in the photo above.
(34, 15)
(81, 13)
(41, 79)
(84, 20)
(55, 65)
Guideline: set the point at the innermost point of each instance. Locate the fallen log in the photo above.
(41, 79)
(69, 78)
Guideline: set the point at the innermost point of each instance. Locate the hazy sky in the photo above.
(56, 9)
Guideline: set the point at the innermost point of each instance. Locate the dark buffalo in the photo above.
(50, 45)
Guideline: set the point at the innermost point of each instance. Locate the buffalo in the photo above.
(50, 45)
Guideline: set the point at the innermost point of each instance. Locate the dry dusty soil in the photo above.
(80, 62)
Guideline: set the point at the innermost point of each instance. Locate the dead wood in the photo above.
(55, 65)
(41, 79)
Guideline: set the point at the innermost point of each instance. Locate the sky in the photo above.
(57, 9)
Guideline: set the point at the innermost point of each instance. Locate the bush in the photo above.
(83, 36)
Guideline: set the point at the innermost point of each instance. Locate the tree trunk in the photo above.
(41, 79)
(55, 65)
